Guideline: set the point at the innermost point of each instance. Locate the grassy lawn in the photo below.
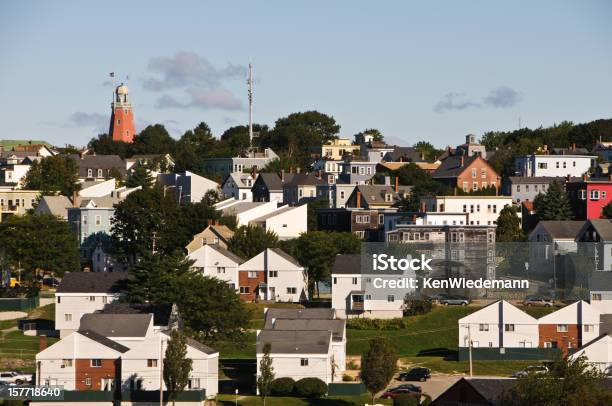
(538, 312)
(497, 368)
(257, 311)
(431, 333)
(228, 400)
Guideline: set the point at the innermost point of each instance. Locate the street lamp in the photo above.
(236, 396)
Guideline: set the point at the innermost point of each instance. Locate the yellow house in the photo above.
(337, 148)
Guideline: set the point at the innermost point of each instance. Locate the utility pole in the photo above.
(161, 371)
(154, 237)
(250, 83)
(470, 344)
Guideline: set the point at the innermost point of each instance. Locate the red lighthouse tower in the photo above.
(122, 126)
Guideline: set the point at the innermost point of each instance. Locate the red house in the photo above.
(588, 197)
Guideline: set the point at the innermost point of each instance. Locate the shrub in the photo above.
(347, 378)
(352, 366)
(416, 307)
(405, 400)
(377, 324)
(310, 388)
(282, 386)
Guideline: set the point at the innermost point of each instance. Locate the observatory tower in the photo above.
(122, 126)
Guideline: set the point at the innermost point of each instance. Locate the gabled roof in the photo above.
(272, 181)
(294, 341)
(405, 154)
(336, 326)
(304, 179)
(286, 256)
(197, 345)
(275, 213)
(600, 281)
(227, 253)
(451, 167)
(93, 282)
(99, 202)
(297, 314)
(539, 179)
(563, 230)
(100, 339)
(603, 227)
(161, 311)
(489, 388)
(375, 194)
(116, 325)
(57, 205)
(347, 264)
(96, 162)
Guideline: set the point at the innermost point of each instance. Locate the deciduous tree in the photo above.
(177, 366)
(266, 373)
(53, 175)
(554, 204)
(378, 365)
(249, 241)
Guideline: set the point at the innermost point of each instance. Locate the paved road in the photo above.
(434, 386)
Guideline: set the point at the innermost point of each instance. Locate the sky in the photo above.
(415, 70)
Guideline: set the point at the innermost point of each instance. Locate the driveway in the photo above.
(433, 387)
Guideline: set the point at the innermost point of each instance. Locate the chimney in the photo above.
(297, 169)
(42, 342)
(358, 199)
(573, 146)
(74, 199)
(585, 177)
(396, 184)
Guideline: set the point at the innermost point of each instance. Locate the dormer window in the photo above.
(89, 173)
(388, 197)
(99, 173)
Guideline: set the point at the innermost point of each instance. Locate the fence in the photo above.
(346, 389)
(19, 304)
(496, 354)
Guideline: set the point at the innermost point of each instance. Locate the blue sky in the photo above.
(428, 70)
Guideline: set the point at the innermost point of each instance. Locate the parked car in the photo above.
(51, 281)
(535, 300)
(414, 391)
(531, 370)
(15, 377)
(415, 374)
(455, 300)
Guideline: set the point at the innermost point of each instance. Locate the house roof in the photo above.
(57, 205)
(100, 339)
(116, 325)
(161, 311)
(238, 178)
(347, 264)
(336, 326)
(297, 314)
(301, 179)
(375, 194)
(491, 388)
(102, 202)
(405, 153)
(570, 151)
(93, 282)
(294, 341)
(273, 180)
(227, 253)
(451, 167)
(600, 281)
(603, 227)
(562, 229)
(96, 162)
(197, 345)
(274, 213)
(539, 179)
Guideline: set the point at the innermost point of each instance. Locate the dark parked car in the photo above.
(415, 374)
(455, 300)
(414, 391)
(535, 300)
(51, 281)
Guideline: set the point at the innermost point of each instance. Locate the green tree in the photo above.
(568, 382)
(140, 176)
(193, 147)
(154, 139)
(378, 365)
(266, 373)
(428, 151)
(376, 134)
(33, 241)
(249, 241)
(156, 278)
(53, 175)
(177, 366)
(104, 145)
(554, 204)
(508, 226)
(311, 212)
(607, 211)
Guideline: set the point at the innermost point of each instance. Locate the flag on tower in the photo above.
(112, 74)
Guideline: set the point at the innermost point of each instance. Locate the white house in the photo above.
(80, 293)
(298, 354)
(187, 187)
(598, 354)
(481, 210)
(571, 326)
(246, 211)
(217, 262)
(554, 165)
(97, 188)
(287, 222)
(273, 275)
(499, 325)
(238, 185)
(350, 300)
(600, 291)
(120, 350)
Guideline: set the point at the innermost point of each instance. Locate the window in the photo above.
(244, 289)
(88, 381)
(252, 274)
(388, 197)
(342, 194)
(483, 173)
(273, 274)
(465, 186)
(518, 188)
(89, 173)
(98, 220)
(96, 363)
(564, 165)
(594, 194)
(542, 165)
(557, 164)
(59, 299)
(335, 280)
(589, 328)
(509, 327)
(220, 269)
(390, 298)
(483, 327)
(475, 186)
(474, 172)
(291, 291)
(381, 218)
(354, 281)
(595, 296)
(304, 362)
(152, 363)
(68, 317)
(66, 363)
(104, 299)
(561, 328)
(92, 298)
(100, 173)
(194, 383)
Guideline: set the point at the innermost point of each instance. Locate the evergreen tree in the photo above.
(508, 226)
(155, 278)
(249, 241)
(378, 365)
(140, 176)
(177, 366)
(53, 175)
(554, 204)
(266, 373)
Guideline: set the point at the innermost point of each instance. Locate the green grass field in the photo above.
(229, 400)
(440, 365)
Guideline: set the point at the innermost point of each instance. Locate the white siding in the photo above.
(76, 305)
